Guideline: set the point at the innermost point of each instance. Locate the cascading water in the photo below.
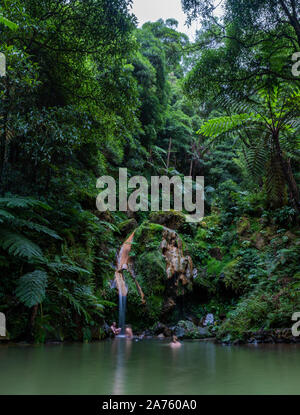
(122, 312)
(123, 263)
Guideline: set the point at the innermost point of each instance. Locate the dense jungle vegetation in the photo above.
(87, 92)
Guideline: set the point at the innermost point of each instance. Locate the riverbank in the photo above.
(164, 333)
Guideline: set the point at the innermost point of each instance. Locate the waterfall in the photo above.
(122, 312)
(123, 263)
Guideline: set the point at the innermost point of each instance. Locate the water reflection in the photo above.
(120, 351)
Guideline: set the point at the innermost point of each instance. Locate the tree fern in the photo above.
(275, 183)
(273, 114)
(31, 288)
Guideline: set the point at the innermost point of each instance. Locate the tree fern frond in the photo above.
(31, 288)
(36, 227)
(59, 267)
(111, 226)
(256, 159)
(84, 292)
(221, 125)
(22, 202)
(4, 216)
(75, 303)
(18, 245)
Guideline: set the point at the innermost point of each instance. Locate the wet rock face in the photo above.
(162, 269)
(178, 266)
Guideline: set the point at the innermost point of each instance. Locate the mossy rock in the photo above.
(291, 236)
(127, 226)
(243, 226)
(210, 221)
(259, 240)
(186, 329)
(216, 252)
(170, 219)
(148, 236)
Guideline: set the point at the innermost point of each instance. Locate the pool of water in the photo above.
(123, 366)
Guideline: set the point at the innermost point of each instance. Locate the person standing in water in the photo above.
(175, 343)
(116, 331)
(128, 332)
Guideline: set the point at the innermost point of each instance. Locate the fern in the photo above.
(84, 301)
(36, 227)
(4, 216)
(59, 267)
(18, 245)
(12, 238)
(75, 303)
(22, 202)
(8, 23)
(31, 288)
(256, 159)
(220, 125)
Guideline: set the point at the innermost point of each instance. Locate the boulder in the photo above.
(259, 240)
(171, 219)
(158, 328)
(216, 253)
(127, 226)
(188, 330)
(243, 226)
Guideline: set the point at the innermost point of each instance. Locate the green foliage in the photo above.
(87, 92)
(268, 126)
(31, 288)
(6, 22)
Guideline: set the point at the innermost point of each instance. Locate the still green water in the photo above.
(124, 366)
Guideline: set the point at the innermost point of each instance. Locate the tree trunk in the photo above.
(31, 323)
(191, 168)
(287, 173)
(169, 153)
